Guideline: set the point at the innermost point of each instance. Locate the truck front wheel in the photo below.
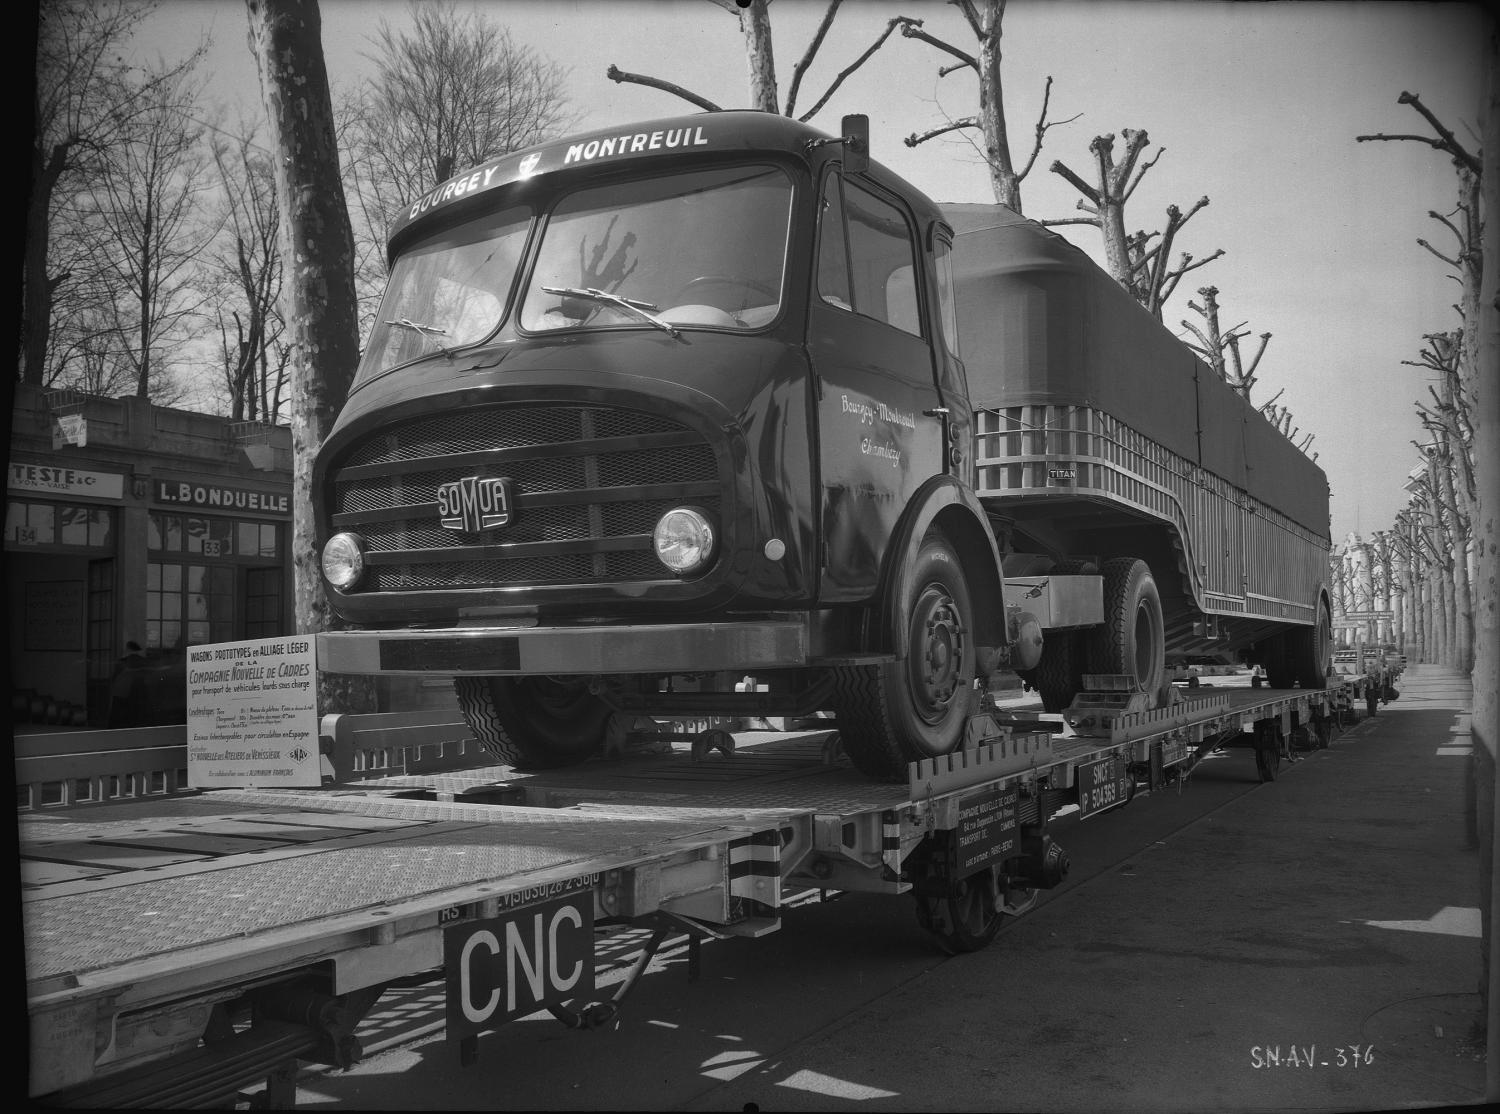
(533, 722)
(916, 708)
(1132, 640)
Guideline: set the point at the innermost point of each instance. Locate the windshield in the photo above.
(449, 292)
(704, 249)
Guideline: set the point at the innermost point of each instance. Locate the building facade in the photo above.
(129, 522)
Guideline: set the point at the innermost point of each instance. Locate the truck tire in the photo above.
(1132, 640)
(1274, 659)
(1058, 676)
(533, 722)
(1309, 651)
(904, 711)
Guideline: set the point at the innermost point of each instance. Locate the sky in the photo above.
(1255, 105)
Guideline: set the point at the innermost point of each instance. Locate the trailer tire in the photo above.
(1132, 640)
(1309, 650)
(1275, 660)
(533, 722)
(918, 707)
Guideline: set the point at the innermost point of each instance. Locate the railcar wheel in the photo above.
(533, 722)
(1132, 640)
(916, 708)
(966, 920)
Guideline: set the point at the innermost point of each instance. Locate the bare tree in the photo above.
(246, 278)
(755, 25)
(1222, 349)
(86, 98)
(1451, 486)
(1137, 264)
(145, 202)
(453, 91)
(286, 36)
(985, 19)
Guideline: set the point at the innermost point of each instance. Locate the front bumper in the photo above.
(532, 651)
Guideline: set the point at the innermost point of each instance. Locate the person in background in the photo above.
(128, 698)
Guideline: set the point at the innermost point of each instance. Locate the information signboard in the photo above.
(252, 714)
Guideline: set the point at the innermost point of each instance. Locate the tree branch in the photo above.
(954, 125)
(618, 75)
(843, 74)
(1078, 183)
(912, 30)
(801, 67)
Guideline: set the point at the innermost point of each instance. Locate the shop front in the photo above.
(155, 534)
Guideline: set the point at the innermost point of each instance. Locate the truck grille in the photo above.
(588, 485)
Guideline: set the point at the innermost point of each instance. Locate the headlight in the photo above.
(344, 560)
(684, 540)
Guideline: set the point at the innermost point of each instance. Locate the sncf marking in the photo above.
(473, 503)
(634, 142)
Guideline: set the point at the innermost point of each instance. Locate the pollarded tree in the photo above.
(1464, 222)
(1137, 264)
(755, 25)
(986, 20)
(1222, 349)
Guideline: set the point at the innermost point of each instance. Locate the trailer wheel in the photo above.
(966, 920)
(533, 722)
(1309, 650)
(1132, 640)
(903, 711)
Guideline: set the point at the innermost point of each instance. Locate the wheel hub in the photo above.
(938, 651)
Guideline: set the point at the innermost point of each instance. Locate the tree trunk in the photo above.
(755, 21)
(1003, 178)
(36, 302)
(321, 311)
(1463, 631)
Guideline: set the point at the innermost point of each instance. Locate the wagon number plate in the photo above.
(1103, 784)
(506, 967)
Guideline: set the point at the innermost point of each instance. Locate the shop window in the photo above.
(28, 524)
(263, 603)
(164, 533)
(212, 536)
(257, 539)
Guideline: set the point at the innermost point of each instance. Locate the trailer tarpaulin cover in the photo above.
(1041, 323)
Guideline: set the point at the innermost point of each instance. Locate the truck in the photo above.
(647, 415)
(651, 409)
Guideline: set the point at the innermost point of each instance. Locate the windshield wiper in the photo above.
(417, 326)
(640, 309)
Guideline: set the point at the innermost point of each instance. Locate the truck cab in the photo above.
(641, 407)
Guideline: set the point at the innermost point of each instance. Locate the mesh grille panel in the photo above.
(548, 452)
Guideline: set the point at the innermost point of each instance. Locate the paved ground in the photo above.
(1310, 944)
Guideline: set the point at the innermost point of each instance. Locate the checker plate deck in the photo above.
(377, 851)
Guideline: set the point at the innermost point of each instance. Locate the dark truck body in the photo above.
(895, 505)
(1098, 431)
